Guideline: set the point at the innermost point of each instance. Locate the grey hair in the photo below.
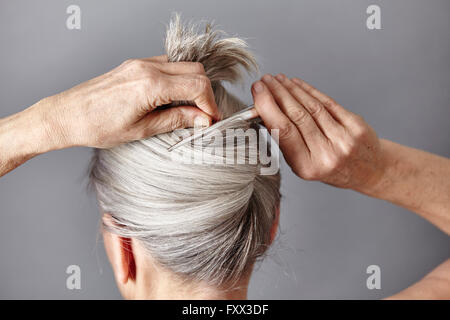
(203, 222)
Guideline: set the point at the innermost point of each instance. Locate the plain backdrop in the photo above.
(397, 78)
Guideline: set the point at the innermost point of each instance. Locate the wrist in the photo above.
(34, 130)
(51, 129)
(21, 138)
(378, 180)
(27, 134)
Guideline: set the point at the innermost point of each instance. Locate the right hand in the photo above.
(319, 139)
(119, 106)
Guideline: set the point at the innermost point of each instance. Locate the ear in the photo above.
(276, 221)
(120, 254)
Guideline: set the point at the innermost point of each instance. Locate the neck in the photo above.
(199, 293)
(166, 288)
(157, 283)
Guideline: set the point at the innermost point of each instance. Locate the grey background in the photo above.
(397, 78)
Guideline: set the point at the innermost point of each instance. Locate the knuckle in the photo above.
(198, 67)
(359, 120)
(285, 130)
(289, 84)
(316, 108)
(348, 148)
(311, 174)
(360, 131)
(297, 115)
(136, 62)
(271, 81)
(330, 163)
(359, 128)
(152, 72)
(297, 80)
(276, 84)
(137, 65)
(154, 81)
(329, 102)
(127, 62)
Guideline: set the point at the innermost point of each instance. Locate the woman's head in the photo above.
(197, 222)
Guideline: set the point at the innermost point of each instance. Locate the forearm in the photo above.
(435, 285)
(111, 109)
(416, 180)
(25, 135)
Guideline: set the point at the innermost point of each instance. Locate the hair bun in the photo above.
(221, 58)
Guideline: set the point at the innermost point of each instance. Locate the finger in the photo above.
(312, 135)
(175, 68)
(182, 67)
(161, 121)
(329, 126)
(160, 59)
(290, 140)
(189, 87)
(337, 111)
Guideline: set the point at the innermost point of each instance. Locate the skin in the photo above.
(320, 140)
(138, 276)
(113, 108)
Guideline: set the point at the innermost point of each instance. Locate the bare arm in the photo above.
(321, 140)
(435, 285)
(23, 136)
(416, 180)
(116, 107)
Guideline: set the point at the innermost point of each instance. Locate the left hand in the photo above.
(319, 139)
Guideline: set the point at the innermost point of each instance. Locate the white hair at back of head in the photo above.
(203, 222)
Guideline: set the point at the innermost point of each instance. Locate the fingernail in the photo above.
(201, 122)
(280, 77)
(267, 78)
(258, 87)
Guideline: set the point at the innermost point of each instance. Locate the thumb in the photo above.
(160, 121)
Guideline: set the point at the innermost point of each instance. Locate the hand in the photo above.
(319, 139)
(119, 106)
